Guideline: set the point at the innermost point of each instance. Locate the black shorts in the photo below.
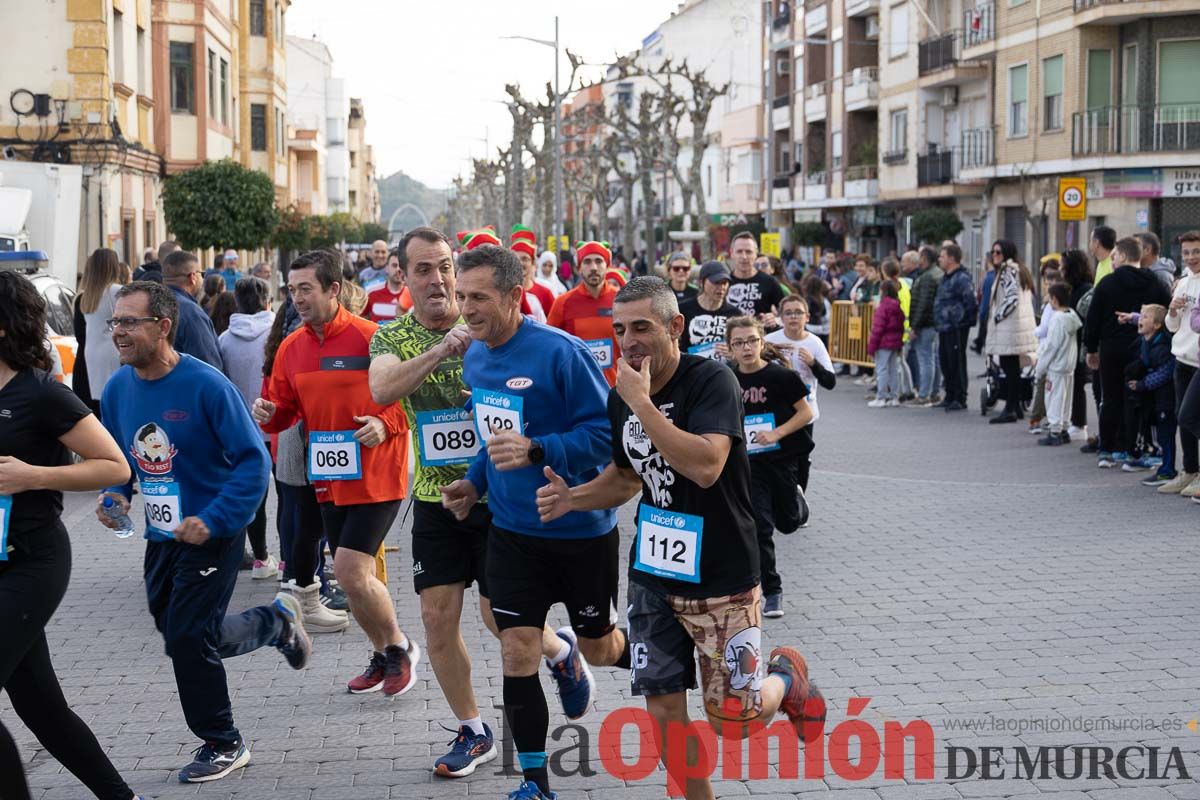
(528, 574)
(360, 528)
(446, 551)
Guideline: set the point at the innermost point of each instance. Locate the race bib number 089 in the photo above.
(447, 436)
(668, 544)
(163, 511)
(333, 456)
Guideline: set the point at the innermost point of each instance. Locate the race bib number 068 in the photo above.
(333, 456)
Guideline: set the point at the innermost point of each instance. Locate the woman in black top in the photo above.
(1076, 272)
(776, 406)
(41, 421)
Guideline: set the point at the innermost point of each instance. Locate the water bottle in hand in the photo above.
(114, 511)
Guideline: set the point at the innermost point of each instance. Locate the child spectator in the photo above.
(1050, 275)
(1057, 356)
(1152, 392)
(887, 337)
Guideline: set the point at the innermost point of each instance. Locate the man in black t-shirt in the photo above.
(693, 575)
(756, 293)
(705, 315)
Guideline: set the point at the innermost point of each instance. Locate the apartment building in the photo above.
(318, 112)
(1104, 90)
(823, 89)
(262, 84)
(363, 194)
(81, 100)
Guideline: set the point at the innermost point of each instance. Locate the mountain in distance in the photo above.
(398, 189)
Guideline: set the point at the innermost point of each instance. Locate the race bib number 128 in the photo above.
(497, 411)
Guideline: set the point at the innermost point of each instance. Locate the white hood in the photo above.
(251, 326)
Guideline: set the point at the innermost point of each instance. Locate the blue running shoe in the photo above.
(214, 761)
(1120, 456)
(467, 751)
(1137, 465)
(530, 791)
(574, 679)
(1152, 460)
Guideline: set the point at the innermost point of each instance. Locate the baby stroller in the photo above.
(995, 386)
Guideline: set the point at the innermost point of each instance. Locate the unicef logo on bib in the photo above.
(497, 412)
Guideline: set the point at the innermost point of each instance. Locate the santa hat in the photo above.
(585, 249)
(523, 241)
(616, 275)
(472, 239)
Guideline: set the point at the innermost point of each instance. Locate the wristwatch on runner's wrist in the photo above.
(536, 453)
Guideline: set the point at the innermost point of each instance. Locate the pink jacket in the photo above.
(887, 329)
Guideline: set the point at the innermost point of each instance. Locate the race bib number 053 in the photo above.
(497, 411)
(447, 436)
(668, 544)
(163, 508)
(334, 456)
(602, 351)
(755, 425)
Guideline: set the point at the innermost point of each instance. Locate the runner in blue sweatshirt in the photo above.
(202, 469)
(538, 400)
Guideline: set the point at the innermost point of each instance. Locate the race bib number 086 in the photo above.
(163, 511)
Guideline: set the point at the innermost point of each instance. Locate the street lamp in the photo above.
(558, 187)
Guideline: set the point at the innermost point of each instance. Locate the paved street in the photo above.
(954, 572)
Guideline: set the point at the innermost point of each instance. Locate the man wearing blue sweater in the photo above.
(539, 400)
(195, 335)
(202, 468)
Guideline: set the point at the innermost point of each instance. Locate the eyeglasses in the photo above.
(681, 269)
(740, 343)
(997, 252)
(127, 323)
(795, 314)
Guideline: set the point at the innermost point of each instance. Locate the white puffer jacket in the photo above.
(1010, 330)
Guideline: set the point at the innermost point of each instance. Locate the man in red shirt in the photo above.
(586, 310)
(388, 301)
(524, 244)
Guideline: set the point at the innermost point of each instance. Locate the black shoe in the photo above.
(333, 598)
(803, 515)
(943, 404)
(1092, 446)
(1050, 440)
(247, 562)
(954, 405)
(214, 761)
(1003, 418)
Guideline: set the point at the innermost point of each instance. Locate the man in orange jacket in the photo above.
(586, 310)
(356, 451)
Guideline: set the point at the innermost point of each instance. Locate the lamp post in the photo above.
(557, 151)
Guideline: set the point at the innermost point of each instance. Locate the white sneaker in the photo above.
(878, 402)
(1076, 433)
(1193, 488)
(1178, 483)
(893, 403)
(265, 569)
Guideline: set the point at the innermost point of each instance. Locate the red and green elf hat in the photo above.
(523, 241)
(472, 239)
(584, 249)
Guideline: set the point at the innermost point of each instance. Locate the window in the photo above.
(280, 132)
(258, 127)
(784, 166)
(898, 33)
(258, 23)
(1177, 84)
(353, 160)
(1099, 79)
(1018, 100)
(708, 183)
(148, 230)
(1129, 87)
(837, 57)
(118, 46)
(224, 92)
(837, 150)
(142, 86)
(279, 22)
(183, 98)
(354, 198)
(898, 143)
(1052, 93)
(212, 85)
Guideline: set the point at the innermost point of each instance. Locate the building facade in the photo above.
(363, 193)
(318, 112)
(262, 86)
(80, 92)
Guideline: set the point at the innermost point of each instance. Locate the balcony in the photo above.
(861, 8)
(892, 157)
(979, 24)
(936, 168)
(861, 182)
(814, 102)
(977, 148)
(1127, 130)
(781, 117)
(937, 53)
(815, 187)
(862, 89)
(816, 18)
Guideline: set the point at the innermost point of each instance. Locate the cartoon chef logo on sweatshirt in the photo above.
(152, 450)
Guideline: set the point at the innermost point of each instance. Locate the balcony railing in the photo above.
(1133, 129)
(862, 172)
(978, 148)
(896, 156)
(810, 4)
(862, 75)
(938, 53)
(780, 101)
(815, 178)
(979, 23)
(781, 181)
(935, 169)
(814, 91)
(1084, 5)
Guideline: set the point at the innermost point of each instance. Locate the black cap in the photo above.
(714, 271)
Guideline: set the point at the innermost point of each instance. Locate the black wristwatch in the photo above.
(536, 453)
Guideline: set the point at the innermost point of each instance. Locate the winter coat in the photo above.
(1059, 351)
(954, 305)
(887, 327)
(924, 290)
(1010, 329)
(1158, 365)
(242, 351)
(985, 293)
(1126, 288)
(1164, 270)
(195, 334)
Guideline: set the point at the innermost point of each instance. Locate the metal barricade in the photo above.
(849, 330)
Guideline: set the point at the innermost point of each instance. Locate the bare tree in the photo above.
(484, 181)
(514, 179)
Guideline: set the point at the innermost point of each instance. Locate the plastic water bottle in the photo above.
(113, 511)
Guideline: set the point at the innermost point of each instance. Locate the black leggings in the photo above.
(301, 514)
(1012, 384)
(32, 584)
(1079, 396)
(256, 531)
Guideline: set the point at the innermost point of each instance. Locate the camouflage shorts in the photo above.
(666, 633)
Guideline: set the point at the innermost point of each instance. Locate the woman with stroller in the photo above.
(1010, 336)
